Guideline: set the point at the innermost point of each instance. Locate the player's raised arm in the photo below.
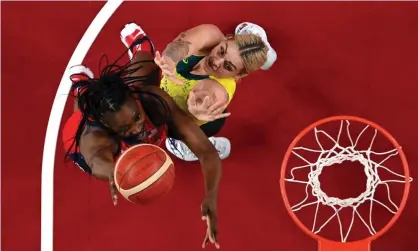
(97, 149)
(192, 41)
(208, 156)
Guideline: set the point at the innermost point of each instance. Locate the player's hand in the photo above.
(205, 108)
(113, 190)
(168, 68)
(210, 216)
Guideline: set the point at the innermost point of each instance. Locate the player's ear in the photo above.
(229, 37)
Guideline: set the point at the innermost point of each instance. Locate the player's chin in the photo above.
(220, 74)
(128, 135)
(136, 135)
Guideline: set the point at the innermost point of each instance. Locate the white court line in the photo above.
(48, 159)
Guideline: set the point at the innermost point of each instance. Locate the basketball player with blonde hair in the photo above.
(201, 68)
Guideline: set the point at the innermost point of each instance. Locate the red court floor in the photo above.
(335, 58)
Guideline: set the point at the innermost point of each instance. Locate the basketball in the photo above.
(144, 173)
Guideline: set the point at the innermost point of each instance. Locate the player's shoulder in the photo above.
(96, 134)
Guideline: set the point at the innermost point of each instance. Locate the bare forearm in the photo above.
(200, 38)
(177, 50)
(103, 172)
(199, 144)
(212, 172)
(102, 166)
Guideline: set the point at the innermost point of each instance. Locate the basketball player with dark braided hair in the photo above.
(124, 106)
(201, 70)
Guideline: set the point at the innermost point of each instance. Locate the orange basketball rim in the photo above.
(327, 158)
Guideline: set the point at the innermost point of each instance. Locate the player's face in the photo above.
(128, 121)
(224, 60)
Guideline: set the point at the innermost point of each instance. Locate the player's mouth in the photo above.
(139, 135)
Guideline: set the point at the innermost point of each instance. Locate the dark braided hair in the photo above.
(111, 90)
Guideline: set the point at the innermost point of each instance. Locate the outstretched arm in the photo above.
(198, 143)
(207, 100)
(205, 151)
(199, 38)
(98, 149)
(144, 66)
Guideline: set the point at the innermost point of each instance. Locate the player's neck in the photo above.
(200, 69)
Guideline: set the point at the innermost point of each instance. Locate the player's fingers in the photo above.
(222, 115)
(217, 245)
(211, 239)
(169, 61)
(158, 55)
(209, 229)
(220, 105)
(206, 240)
(219, 110)
(204, 212)
(167, 70)
(206, 102)
(166, 66)
(192, 95)
(113, 192)
(157, 58)
(115, 199)
(168, 74)
(193, 100)
(213, 234)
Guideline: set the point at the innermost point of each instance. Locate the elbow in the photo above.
(210, 29)
(212, 33)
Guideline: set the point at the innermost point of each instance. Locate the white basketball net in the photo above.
(336, 155)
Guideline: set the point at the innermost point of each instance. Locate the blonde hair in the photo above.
(252, 49)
